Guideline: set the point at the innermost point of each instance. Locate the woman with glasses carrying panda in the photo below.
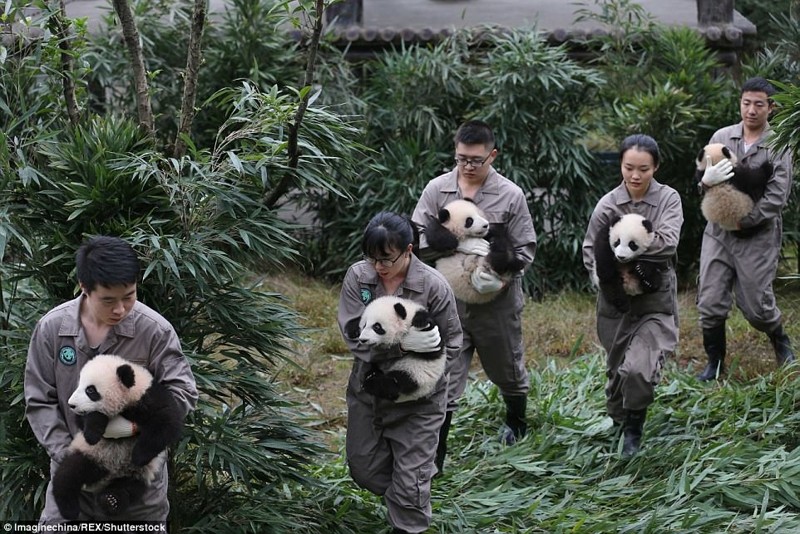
(494, 329)
(391, 446)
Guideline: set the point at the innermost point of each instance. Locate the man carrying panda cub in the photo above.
(105, 318)
(493, 328)
(743, 262)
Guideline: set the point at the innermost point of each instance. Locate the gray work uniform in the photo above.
(391, 446)
(57, 352)
(748, 264)
(493, 329)
(638, 342)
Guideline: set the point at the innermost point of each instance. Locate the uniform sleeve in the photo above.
(443, 308)
(667, 222)
(520, 229)
(600, 216)
(350, 309)
(170, 367)
(41, 396)
(426, 210)
(779, 185)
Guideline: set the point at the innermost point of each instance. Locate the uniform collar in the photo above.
(621, 195)
(414, 280)
(490, 186)
(738, 132)
(71, 324)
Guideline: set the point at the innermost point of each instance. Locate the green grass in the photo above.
(717, 457)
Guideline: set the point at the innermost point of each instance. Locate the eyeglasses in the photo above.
(475, 163)
(383, 262)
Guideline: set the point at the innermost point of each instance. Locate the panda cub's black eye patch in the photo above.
(616, 243)
(378, 329)
(469, 222)
(633, 246)
(92, 393)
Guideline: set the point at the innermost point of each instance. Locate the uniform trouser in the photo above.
(152, 507)
(636, 349)
(391, 448)
(493, 329)
(748, 267)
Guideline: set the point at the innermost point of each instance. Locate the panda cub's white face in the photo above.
(630, 237)
(386, 320)
(465, 219)
(108, 384)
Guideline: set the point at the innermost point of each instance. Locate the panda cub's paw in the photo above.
(381, 385)
(648, 276)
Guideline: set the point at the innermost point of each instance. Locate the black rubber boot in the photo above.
(632, 432)
(714, 344)
(515, 427)
(441, 449)
(782, 345)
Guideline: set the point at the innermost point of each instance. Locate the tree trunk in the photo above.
(59, 25)
(714, 12)
(292, 149)
(190, 77)
(131, 35)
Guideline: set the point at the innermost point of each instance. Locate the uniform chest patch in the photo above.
(67, 356)
(366, 295)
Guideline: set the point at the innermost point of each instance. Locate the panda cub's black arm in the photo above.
(159, 421)
(440, 238)
(94, 426)
(648, 274)
(502, 256)
(607, 271)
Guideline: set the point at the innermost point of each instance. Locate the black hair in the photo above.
(474, 132)
(388, 231)
(641, 142)
(107, 261)
(758, 84)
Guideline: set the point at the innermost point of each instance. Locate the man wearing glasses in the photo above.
(493, 329)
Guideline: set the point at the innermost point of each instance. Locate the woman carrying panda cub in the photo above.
(391, 446)
(639, 336)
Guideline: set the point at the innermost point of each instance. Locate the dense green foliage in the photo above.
(201, 228)
(373, 136)
(714, 459)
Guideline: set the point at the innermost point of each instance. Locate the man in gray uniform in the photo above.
(493, 329)
(745, 261)
(105, 319)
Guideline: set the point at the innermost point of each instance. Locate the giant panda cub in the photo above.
(730, 201)
(384, 323)
(118, 470)
(460, 220)
(617, 272)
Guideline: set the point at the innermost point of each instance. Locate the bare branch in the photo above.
(190, 76)
(132, 41)
(294, 128)
(60, 26)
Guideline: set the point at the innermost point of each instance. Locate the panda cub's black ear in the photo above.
(648, 226)
(352, 328)
(444, 215)
(400, 310)
(614, 220)
(701, 158)
(126, 375)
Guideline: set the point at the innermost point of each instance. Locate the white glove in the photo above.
(474, 245)
(421, 340)
(484, 282)
(119, 427)
(716, 174)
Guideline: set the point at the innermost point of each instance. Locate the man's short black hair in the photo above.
(475, 132)
(106, 261)
(760, 85)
